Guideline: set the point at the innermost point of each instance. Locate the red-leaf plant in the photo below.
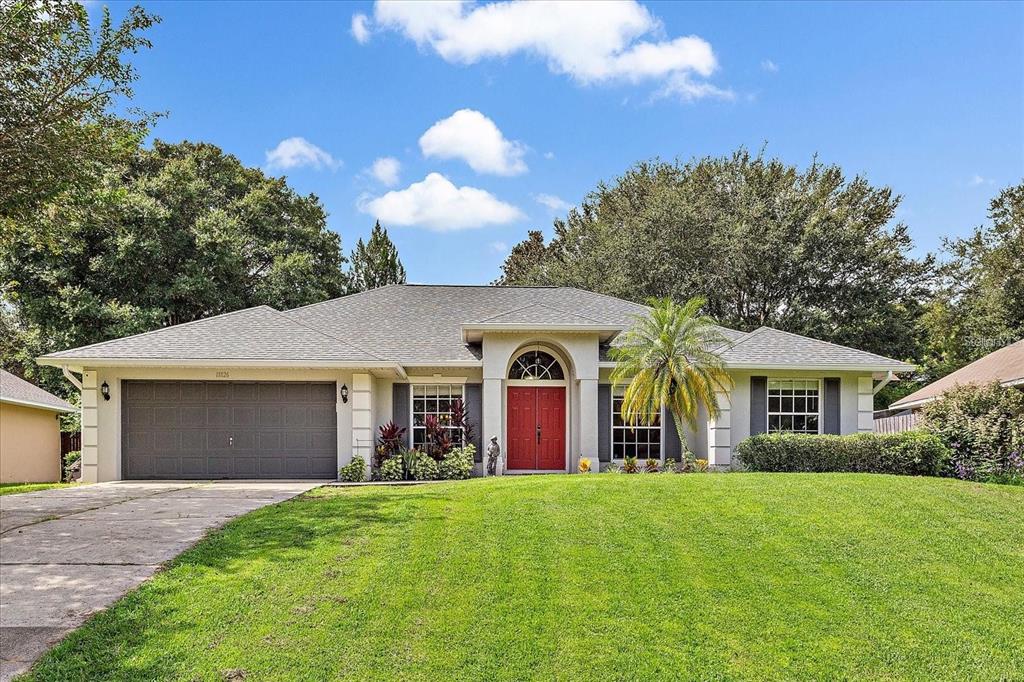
(389, 442)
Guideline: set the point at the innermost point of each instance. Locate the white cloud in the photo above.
(438, 205)
(683, 87)
(472, 137)
(591, 42)
(769, 66)
(296, 152)
(386, 170)
(498, 247)
(977, 180)
(549, 155)
(553, 203)
(360, 28)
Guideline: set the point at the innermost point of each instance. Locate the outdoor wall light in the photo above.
(344, 393)
(105, 390)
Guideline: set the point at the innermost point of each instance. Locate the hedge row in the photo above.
(913, 453)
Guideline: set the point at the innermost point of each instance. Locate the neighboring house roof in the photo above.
(1005, 365)
(259, 334)
(17, 391)
(425, 325)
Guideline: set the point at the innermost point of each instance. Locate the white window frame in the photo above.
(820, 414)
(618, 393)
(456, 389)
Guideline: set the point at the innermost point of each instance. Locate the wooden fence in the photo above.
(897, 423)
(69, 442)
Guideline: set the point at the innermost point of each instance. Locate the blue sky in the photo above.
(925, 98)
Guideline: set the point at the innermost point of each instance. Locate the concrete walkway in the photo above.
(67, 553)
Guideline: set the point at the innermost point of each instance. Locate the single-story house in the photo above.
(29, 431)
(263, 393)
(1005, 365)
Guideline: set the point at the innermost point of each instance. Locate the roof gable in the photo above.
(538, 313)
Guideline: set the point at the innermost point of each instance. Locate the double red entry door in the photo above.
(536, 427)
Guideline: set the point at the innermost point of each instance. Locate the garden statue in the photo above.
(493, 455)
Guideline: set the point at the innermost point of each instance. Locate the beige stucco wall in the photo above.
(29, 444)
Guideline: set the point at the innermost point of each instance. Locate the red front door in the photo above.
(536, 427)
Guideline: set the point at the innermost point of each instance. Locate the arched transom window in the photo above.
(534, 365)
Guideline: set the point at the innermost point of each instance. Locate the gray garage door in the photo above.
(221, 429)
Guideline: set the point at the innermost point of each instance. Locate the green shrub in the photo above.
(457, 464)
(353, 471)
(983, 426)
(70, 459)
(426, 468)
(912, 454)
(390, 470)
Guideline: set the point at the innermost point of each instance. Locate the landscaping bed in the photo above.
(723, 576)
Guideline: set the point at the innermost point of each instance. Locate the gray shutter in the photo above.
(400, 407)
(474, 414)
(673, 448)
(758, 405)
(831, 423)
(604, 423)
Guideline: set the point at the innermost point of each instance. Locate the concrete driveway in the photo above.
(68, 553)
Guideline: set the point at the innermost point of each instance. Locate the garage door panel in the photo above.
(243, 416)
(295, 416)
(164, 417)
(191, 417)
(139, 416)
(167, 391)
(244, 467)
(218, 416)
(193, 467)
(166, 441)
(229, 429)
(193, 441)
(321, 393)
(271, 467)
(296, 393)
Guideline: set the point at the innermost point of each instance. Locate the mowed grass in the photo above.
(604, 577)
(15, 488)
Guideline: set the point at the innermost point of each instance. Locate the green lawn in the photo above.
(15, 488)
(720, 576)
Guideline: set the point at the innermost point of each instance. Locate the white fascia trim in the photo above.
(608, 364)
(41, 406)
(445, 363)
(214, 363)
(913, 403)
(819, 367)
(468, 329)
(436, 380)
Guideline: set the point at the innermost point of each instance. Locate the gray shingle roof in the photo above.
(766, 347)
(538, 313)
(17, 390)
(423, 325)
(260, 333)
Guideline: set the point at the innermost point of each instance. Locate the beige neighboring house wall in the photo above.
(29, 444)
(29, 431)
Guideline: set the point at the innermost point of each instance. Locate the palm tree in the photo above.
(667, 359)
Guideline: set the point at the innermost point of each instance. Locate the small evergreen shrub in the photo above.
(983, 426)
(426, 468)
(71, 464)
(913, 453)
(353, 471)
(457, 464)
(390, 470)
